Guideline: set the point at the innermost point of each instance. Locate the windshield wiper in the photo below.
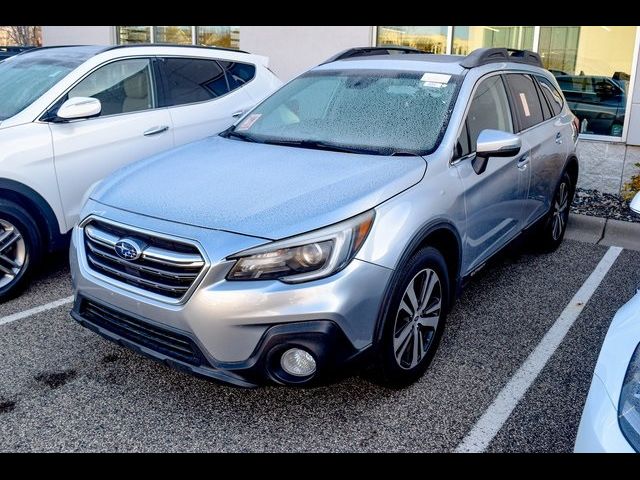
(320, 145)
(235, 134)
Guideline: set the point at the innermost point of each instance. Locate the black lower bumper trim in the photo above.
(324, 339)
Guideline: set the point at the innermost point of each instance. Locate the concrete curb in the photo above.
(603, 231)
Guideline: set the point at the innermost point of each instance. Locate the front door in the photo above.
(493, 199)
(129, 128)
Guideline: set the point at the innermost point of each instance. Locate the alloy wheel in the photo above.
(560, 211)
(417, 318)
(13, 252)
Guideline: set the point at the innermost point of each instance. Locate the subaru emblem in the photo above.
(128, 249)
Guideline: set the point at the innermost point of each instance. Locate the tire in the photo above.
(550, 234)
(400, 363)
(20, 248)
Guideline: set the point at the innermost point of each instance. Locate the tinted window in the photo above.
(546, 109)
(190, 80)
(238, 73)
(122, 87)
(489, 109)
(525, 99)
(551, 94)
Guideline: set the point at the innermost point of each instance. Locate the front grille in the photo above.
(165, 267)
(164, 341)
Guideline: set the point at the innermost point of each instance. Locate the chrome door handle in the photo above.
(559, 138)
(155, 130)
(523, 162)
(238, 114)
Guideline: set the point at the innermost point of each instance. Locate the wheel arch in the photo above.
(572, 167)
(38, 208)
(440, 234)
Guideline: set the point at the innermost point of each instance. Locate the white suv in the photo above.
(69, 116)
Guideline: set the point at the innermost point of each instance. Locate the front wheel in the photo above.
(414, 320)
(20, 248)
(551, 233)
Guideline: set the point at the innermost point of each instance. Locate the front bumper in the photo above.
(232, 323)
(599, 431)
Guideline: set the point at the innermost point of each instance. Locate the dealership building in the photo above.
(596, 67)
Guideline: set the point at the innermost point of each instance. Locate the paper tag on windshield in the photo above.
(248, 122)
(437, 80)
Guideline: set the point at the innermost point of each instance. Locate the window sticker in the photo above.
(248, 122)
(525, 105)
(436, 80)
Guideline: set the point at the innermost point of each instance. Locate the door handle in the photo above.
(155, 130)
(559, 138)
(523, 162)
(237, 114)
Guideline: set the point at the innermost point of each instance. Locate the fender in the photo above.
(40, 209)
(410, 249)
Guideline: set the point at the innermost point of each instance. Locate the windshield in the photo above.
(370, 111)
(24, 78)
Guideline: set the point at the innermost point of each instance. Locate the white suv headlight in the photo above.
(629, 404)
(306, 257)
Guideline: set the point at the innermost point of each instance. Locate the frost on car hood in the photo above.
(267, 191)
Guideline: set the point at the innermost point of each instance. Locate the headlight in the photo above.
(306, 257)
(629, 404)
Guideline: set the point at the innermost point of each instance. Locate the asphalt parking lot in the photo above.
(63, 388)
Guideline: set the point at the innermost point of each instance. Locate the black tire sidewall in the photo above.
(545, 236)
(390, 373)
(20, 218)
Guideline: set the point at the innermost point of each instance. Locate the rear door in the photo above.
(203, 97)
(129, 128)
(543, 138)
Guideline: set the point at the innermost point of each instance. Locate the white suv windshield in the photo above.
(372, 111)
(24, 78)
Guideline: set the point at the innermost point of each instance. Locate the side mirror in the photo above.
(635, 204)
(79, 107)
(494, 143)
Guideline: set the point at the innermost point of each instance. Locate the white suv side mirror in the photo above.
(79, 107)
(635, 204)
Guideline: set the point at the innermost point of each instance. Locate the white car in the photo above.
(611, 417)
(69, 116)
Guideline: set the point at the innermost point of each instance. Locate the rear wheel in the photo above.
(551, 233)
(20, 248)
(415, 319)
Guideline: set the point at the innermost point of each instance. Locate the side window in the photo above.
(546, 109)
(238, 73)
(122, 87)
(191, 80)
(551, 94)
(525, 99)
(489, 109)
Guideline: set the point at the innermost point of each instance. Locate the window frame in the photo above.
(163, 77)
(454, 159)
(49, 114)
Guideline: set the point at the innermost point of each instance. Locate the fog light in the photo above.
(297, 362)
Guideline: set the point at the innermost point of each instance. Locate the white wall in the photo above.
(633, 132)
(292, 50)
(61, 35)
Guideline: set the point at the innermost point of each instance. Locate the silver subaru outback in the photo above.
(333, 224)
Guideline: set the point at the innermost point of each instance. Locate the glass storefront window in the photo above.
(134, 35)
(177, 35)
(429, 39)
(467, 39)
(593, 68)
(228, 37)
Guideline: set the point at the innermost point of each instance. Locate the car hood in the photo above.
(267, 191)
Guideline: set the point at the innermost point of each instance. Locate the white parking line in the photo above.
(478, 439)
(35, 310)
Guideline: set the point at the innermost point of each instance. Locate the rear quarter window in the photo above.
(238, 73)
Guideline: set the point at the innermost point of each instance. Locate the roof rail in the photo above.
(483, 56)
(371, 51)
(132, 45)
